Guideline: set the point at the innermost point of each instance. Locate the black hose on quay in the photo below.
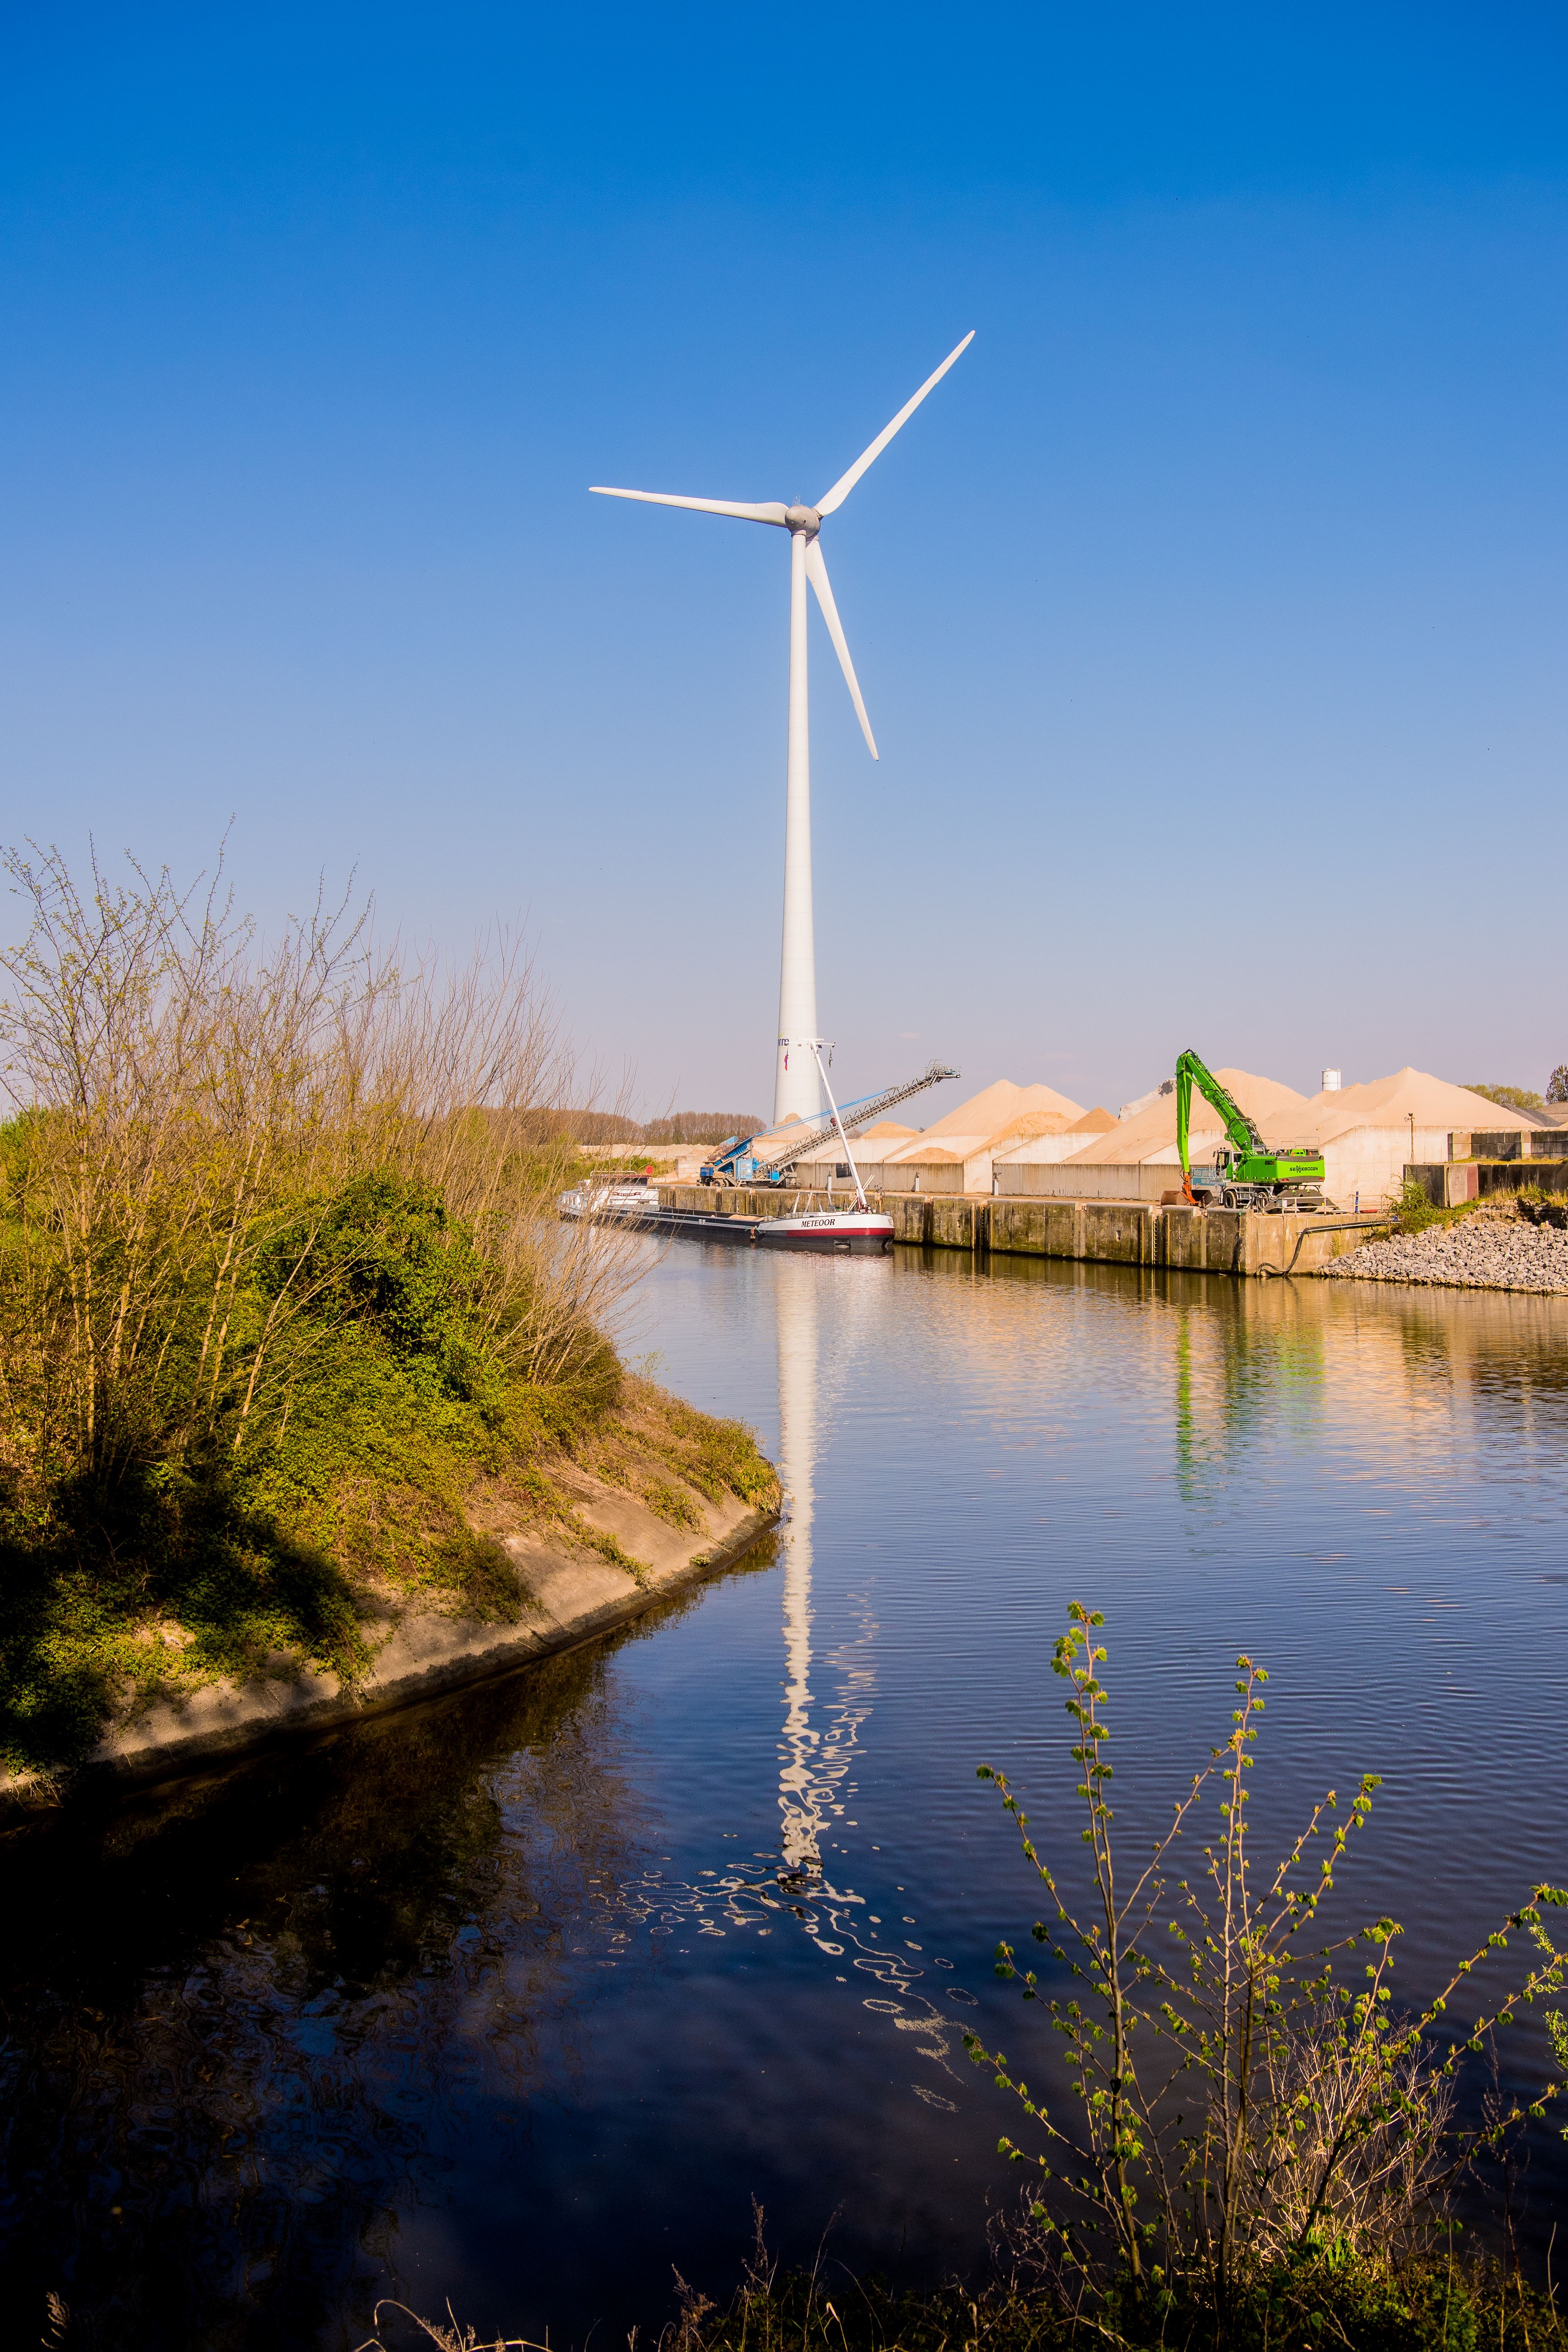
(1349, 1225)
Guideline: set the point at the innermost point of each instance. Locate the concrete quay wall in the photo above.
(1105, 1232)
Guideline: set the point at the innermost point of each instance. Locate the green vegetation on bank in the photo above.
(288, 1333)
(1413, 1211)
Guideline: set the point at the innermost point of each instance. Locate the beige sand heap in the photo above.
(1134, 1158)
(1032, 1124)
(1435, 1104)
(1038, 1141)
(886, 1130)
(988, 1112)
(954, 1153)
(1151, 1134)
(776, 1138)
(1365, 1133)
(1368, 1133)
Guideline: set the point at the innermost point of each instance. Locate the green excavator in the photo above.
(1246, 1173)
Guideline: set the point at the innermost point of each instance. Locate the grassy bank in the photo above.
(1429, 2306)
(285, 1311)
(1434, 2305)
(374, 1489)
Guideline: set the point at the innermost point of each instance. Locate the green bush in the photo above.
(1412, 1211)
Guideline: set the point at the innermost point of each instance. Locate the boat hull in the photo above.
(830, 1233)
(837, 1232)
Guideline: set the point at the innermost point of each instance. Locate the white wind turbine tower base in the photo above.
(795, 1084)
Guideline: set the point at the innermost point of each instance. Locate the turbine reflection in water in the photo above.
(814, 1776)
(800, 1794)
(820, 1735)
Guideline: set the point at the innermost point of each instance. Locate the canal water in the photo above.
(528, 1999)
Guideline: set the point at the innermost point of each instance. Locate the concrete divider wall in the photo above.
(1112, 1180)
(1513, 1175)
(1104, 1232)
(1449, 1182)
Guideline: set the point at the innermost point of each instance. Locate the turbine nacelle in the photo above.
(804, 522)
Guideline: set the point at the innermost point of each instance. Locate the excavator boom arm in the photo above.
(1242, 1135)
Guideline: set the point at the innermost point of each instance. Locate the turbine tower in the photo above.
(795, 1085)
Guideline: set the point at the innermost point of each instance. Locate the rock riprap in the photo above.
(1482, 1251)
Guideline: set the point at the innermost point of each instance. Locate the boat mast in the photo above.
(816, 1044)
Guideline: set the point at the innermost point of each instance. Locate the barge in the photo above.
(832, 1233)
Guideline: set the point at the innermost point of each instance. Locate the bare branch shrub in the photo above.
(1239, 2108)
(190, 1103)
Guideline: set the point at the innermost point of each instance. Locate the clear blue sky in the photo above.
(1210, 614)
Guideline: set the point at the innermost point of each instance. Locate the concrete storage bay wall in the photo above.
(1038, 1180)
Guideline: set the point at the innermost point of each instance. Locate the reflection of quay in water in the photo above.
(1383, 1368)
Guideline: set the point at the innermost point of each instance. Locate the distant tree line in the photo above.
(1522, 1099)
(1513, 1098)
(610, 1126)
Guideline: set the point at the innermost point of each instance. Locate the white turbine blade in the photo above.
(845, 482)
(773, 513)
(816, 573)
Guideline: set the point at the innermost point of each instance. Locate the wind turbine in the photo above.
(795, 1082)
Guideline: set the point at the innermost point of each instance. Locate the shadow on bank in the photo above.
(238, 2013)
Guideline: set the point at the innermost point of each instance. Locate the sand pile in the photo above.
(1150, 1133)
(999, 1111)
(1435, 1104)
(988, 1112)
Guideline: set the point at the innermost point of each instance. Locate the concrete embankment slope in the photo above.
(1104, 1232)
(572, 1594)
